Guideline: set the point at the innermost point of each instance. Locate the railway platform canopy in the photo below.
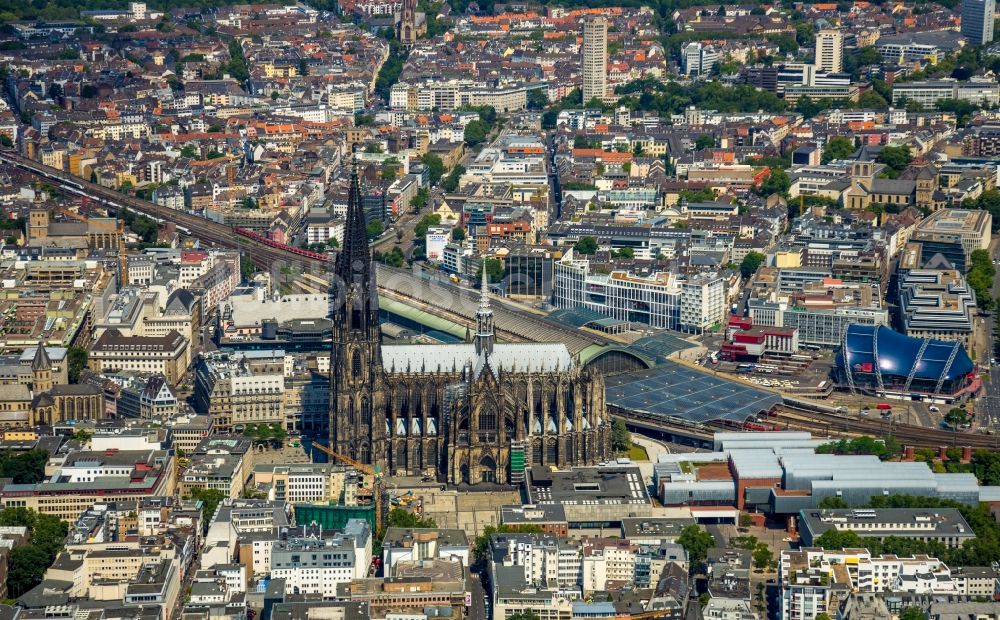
(584, 317)
(673, 391)
(661, 345)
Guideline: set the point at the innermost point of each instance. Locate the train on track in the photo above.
(249, 234)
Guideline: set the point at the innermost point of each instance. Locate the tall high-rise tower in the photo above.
(830, 51)
(356, 373)
(408, 23)
(595, 58)
(977, 20)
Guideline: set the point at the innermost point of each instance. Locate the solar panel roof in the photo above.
(673, 390)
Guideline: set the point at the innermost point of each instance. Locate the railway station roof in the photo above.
(675, 391)
(661, 345)
(585, 317)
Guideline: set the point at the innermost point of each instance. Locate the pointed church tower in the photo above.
(41, 370)
(408, 23)
(356, 373)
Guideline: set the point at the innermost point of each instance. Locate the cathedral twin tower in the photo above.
(466, 414)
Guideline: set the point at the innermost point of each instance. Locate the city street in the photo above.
(988, 405)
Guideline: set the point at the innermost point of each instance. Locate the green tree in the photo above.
(696, 542)
(704, 141)
(76, 361)
(394, 258)
(419, 201)
(807, 107)
(621, 438)
(805, 33)
(247, 268)
(837, 147)
(524, 615)
(375, 228)
(777, 182)
(210, 499)
(24, 468)
(896, 159)
(868, 56)
(431, 219)
(980, 275)
(963, 110)
(458, 234)
(450, 183)
(476, 132)
(871, 100)
(625, 253)
(751, 262)
(189, 151)
(838, 539)
(957, 417)
(5, 141)
(537, 99)
(912, 613)
(399, 517)
(27, 567)
(494, 269)
(883, 448)
(435, 167)
(27, 564)
(832, 502)
(988, 201)
(762, 556)
(586, 245)
(580, 141)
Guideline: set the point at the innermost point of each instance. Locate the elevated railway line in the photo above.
(823, 423)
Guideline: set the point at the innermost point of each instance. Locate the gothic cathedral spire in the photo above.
(356, 373)
(484, 319)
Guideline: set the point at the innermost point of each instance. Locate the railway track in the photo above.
(207, 230)
(828, 424)
(437, 296)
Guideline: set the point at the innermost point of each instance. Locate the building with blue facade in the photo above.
(874, 359)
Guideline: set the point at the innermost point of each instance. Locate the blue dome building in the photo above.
(877, 360)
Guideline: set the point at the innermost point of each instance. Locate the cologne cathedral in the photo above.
(467, 414)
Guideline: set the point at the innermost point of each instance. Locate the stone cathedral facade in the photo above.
(467, 414)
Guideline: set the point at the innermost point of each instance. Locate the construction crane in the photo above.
(377, 498)
(119, 231)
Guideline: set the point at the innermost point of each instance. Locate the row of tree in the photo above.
(980, 275)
